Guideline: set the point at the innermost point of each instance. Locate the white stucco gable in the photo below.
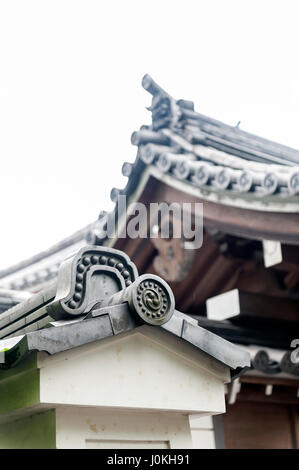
(141, 369)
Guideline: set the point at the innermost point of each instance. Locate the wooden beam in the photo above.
(290, 258)
(280, 394)
(236, 304)
(252, 224)
(251, 379)
(272, 336)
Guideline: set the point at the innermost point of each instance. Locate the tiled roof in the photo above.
(206, 152)
(99, 294)
(194, 150)
(10, 298)
(39, 270)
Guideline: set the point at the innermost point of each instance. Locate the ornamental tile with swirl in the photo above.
(153, 300)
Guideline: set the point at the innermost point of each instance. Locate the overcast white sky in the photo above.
(71, 95)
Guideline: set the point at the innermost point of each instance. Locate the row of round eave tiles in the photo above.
(35, 279)
(221, 178)
(84, 265)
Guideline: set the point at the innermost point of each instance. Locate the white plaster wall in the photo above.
(84, 427)
(202, 432)
(134, 371)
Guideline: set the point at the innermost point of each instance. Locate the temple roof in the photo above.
(209, 153)
(100, 294)
(10, 298)
(197, 155)
(180, 114)
(250, 187)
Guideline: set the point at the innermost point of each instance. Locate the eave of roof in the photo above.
(188, 146)
(167, 111)
(66, 335)
(197, 155)
(99, 294)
